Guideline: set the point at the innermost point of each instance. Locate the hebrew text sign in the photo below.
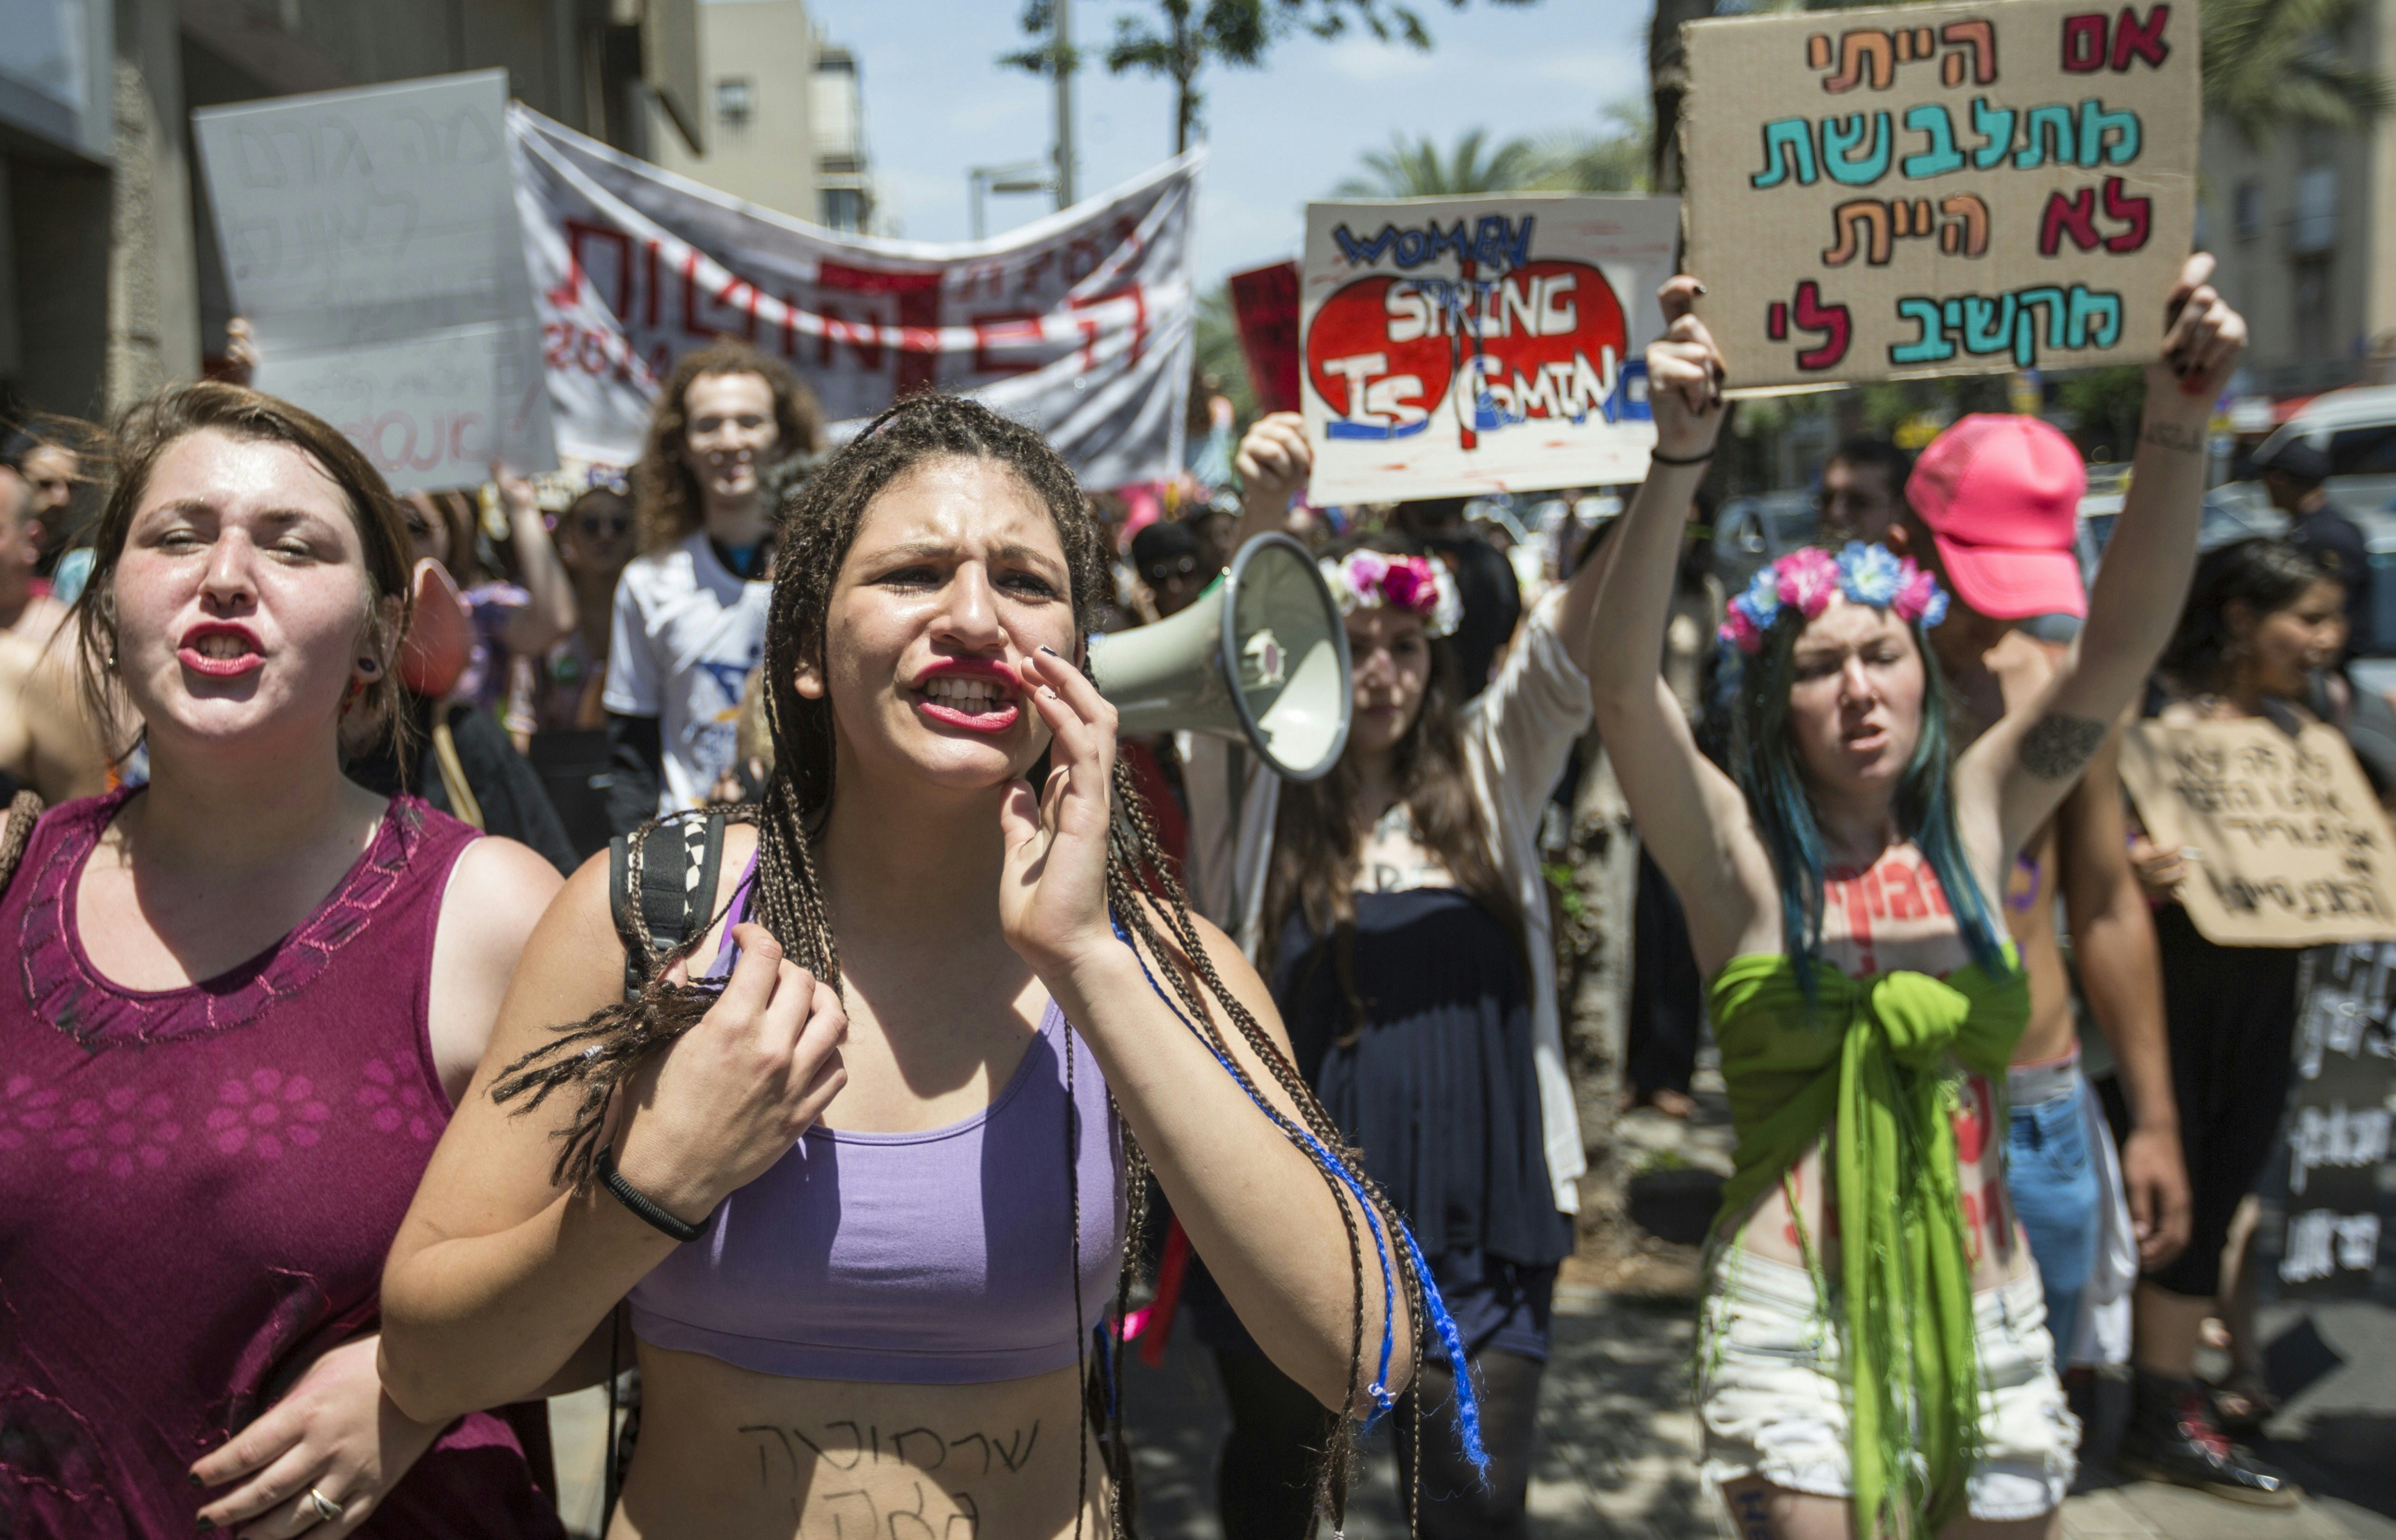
(2285, 844)
(1941, 189)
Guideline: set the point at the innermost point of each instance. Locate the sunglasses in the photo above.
(1163, 572)
(603, 523)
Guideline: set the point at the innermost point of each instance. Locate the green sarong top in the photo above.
(1872, 1058)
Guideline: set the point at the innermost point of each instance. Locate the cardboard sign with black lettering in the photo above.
(1939, 189)
(1454, 346)
(2288, 847)
(2339, 1115)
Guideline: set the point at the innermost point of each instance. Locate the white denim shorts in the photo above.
(1773, 1400)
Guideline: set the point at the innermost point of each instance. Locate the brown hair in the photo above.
(458, 515)
(145, 431)
(1319, 826)
(818, 525)
(665, 494)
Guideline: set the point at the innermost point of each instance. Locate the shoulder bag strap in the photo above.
(23, 812)
(681, 861)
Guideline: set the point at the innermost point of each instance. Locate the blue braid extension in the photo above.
(1468, 1409)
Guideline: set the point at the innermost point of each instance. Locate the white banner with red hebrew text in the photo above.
(1077, 324)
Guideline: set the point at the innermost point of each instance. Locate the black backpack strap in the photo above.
(681, 861)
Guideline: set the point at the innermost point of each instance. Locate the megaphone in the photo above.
(1260, 657)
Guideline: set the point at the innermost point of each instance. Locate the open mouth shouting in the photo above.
(220, 649)
(977, 695)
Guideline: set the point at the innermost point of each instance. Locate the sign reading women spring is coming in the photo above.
(1464, 345)
(1941, 189)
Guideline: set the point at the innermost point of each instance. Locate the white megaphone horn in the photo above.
(1260, 657)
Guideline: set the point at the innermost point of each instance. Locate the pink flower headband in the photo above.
(1367, 580)
(1805, 579)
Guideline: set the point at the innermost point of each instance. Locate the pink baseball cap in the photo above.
(2002, 494)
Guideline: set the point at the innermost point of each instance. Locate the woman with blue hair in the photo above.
(1873, 1357)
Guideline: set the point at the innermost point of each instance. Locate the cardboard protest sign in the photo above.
(1264, 301)
(370, 238)
(1079, 324)
(2340, 1112)
(1469, 345)
(1939, 189)
(2291, 848)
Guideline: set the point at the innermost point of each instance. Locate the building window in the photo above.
(2246, 210)
(2313, 230)
(843, 208)
(2314, 322)
(736, 101)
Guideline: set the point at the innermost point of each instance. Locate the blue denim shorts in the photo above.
(2053, 1178)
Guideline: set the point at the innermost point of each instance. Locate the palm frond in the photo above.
(2272, 65)
(1415, 168)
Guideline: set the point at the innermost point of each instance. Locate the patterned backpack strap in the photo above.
(23, 812)
(661, 883)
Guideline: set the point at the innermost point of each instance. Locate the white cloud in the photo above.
(1602, 72)
(1359, 57)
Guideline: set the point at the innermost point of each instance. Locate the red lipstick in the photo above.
(976, 694)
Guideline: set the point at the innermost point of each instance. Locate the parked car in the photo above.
(2357, 430)
(1753, 531)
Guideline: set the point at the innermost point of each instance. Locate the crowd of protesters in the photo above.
(328, 769)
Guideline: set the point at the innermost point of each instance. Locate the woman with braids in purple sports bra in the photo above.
(239, 1003)
(866, 1196)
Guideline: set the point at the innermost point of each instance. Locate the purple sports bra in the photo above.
(943, 1257)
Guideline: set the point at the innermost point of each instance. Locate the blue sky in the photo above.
(936, 105)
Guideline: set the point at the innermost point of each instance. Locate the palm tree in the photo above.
(1415, 169)
(2272, 65)
(1668, 82)
(1612, 160)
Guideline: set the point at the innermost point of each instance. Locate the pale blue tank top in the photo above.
(944, 1257)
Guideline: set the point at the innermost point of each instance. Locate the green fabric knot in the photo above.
(1920, 1017)
(1871, 1061)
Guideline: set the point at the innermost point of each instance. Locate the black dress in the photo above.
(1434, 1086)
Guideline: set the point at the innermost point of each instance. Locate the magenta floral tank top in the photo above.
(198, 1188)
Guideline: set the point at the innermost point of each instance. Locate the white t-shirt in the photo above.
(687, 634)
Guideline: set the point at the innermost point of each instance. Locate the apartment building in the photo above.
(784, 115)
(2305, 229)
(110, 281)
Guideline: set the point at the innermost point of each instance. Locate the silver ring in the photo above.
(328, 1510)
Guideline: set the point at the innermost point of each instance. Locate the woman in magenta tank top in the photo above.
(867, 1198)
(239, 1003)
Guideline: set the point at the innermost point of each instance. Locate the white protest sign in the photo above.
(1465, 345)
(1078, 324)
(370, 237)
(1941, 189)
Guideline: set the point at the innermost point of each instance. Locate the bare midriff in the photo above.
(727, 1453)
(2030, 919)
(1895, 916)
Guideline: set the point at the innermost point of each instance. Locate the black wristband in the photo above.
(1679, 460)
(638, 1202)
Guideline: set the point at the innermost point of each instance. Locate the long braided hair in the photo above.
(817, 525)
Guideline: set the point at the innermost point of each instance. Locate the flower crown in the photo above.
(1368, 579)
(1803, 579)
